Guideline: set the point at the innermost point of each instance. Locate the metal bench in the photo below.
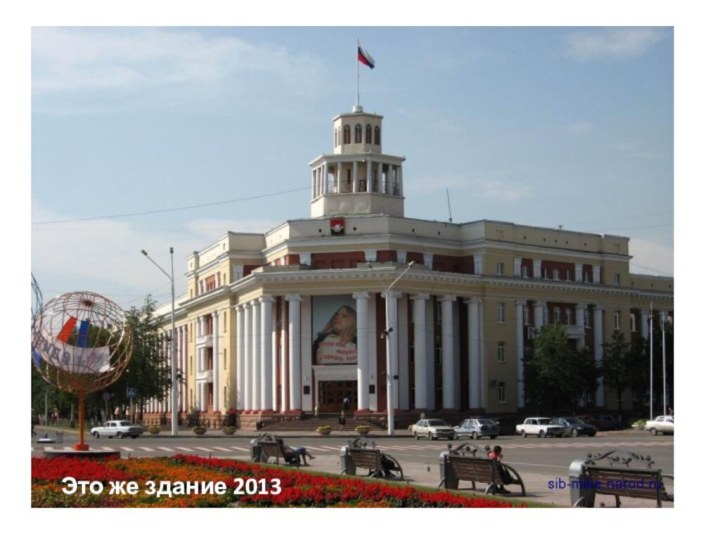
(617, 479)
(466, 463)
(373, 459)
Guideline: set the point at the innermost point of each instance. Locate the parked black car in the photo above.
(575, 427)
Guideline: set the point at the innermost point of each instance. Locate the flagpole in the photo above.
(651, 361)
(357, 76)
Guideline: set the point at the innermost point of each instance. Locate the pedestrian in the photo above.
(346, 404)
(496, 455)
(295, 453)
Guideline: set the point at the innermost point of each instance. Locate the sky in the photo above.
(151, 137)
(597, 116)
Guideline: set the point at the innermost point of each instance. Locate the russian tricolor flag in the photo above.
(365, 58)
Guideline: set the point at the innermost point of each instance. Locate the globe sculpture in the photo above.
(80, 344)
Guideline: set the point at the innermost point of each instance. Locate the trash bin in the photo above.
(447, 475)
(256, 453)
(581, 488)
(347, 464)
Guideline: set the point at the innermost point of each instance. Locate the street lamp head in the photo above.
(144, 252)
(411, 263)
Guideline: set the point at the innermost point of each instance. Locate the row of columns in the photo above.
(394, 177)
(256, 380)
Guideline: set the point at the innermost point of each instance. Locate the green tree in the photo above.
(148, 371)
(557, 374)
(619, 360)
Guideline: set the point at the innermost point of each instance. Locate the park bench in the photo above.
(373, 459)
(274, 448)
(619, 480)
(467, 463)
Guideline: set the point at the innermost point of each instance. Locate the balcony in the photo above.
(204, 376)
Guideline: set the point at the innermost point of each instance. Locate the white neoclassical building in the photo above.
(307, 315)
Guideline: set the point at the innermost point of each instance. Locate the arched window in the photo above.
(336, 137)
(377, 135)
(358, 133)
(368, 134)
(346, 135)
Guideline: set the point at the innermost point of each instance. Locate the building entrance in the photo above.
(332, 393)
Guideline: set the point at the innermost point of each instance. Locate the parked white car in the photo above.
(541, 426)
(661, 424)
(117, 428)
(433, 428)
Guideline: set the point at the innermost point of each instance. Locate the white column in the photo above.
(448, 352)
(580, 321)
(369, 176)
(266, 381)
(239, 382)
(294, 376)
(256, 334)
(306, 339)
(475, 383)
(354, 176)
(247, 357)
(420, 341)
(403, 371)
(520, 351)
(363, 357)
(216, 361)
(279, 357)
(578, 272)
(400, 179)
(392, 337)
(598, 335)
(537, 269)
(539, 314)
(430, 352)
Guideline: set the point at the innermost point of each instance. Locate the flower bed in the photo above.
(234, 484)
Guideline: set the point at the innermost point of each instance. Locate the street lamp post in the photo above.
(389, 347)
(173, 366)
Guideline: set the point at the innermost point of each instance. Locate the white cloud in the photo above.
(650, 257)
(611, 43)
(500, 190)
(132, 59)
(579, 127)
(104, 255)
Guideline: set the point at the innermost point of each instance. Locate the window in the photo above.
(346, 135)
(358, 133)
(526, 315)
(616, 278)
(501, 352)
(377, 135)
(556, 274)
(368, 134)
(633, 323)
(501, 312)
(500, 269)
(524, 271)
(501, 393)
(617, 320)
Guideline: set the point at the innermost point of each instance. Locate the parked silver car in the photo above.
(476, 428)
(433, 428)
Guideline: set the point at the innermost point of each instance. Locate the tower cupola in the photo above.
(357, 178)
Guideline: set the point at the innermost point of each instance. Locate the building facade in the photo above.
(359, 299)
